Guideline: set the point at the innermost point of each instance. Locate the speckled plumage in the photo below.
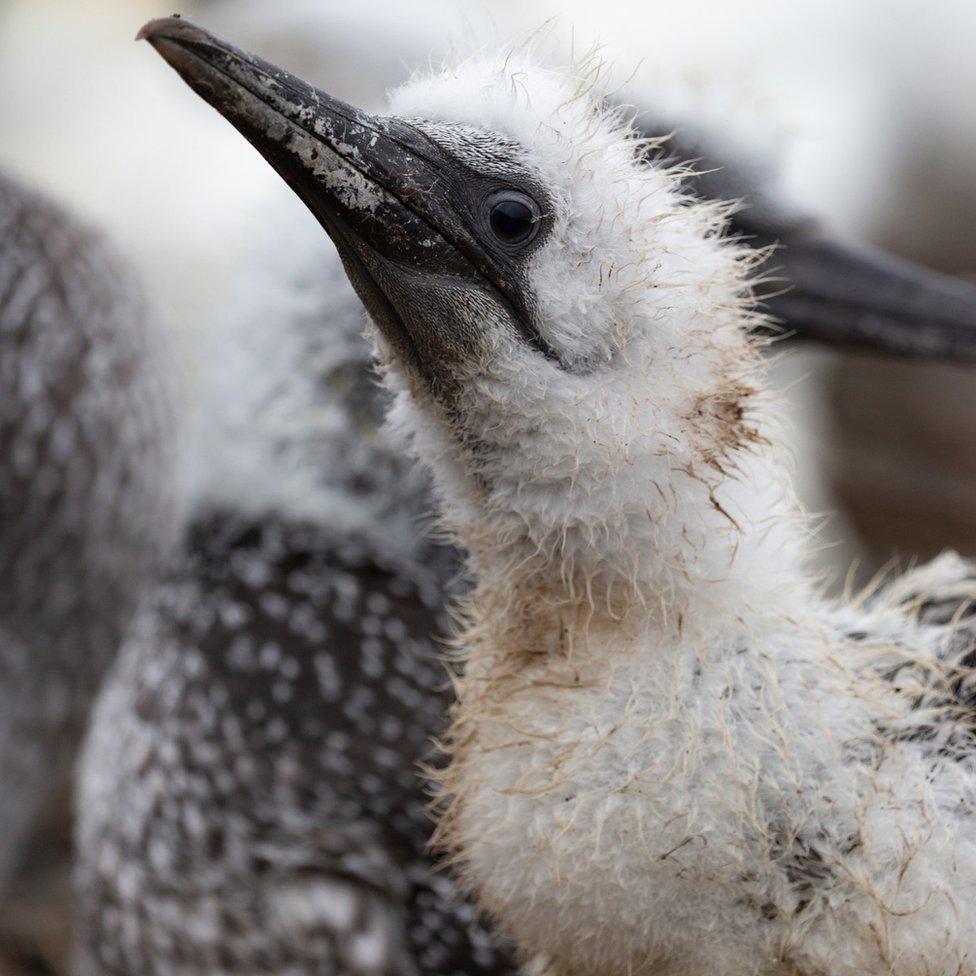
(250, 797)
(87, 509)
(257, 808)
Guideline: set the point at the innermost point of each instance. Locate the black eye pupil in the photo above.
(512, 221)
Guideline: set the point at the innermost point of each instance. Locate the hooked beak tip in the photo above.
(167, 29)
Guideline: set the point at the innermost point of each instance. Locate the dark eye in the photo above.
(514, 217)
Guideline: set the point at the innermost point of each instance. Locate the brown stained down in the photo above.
(723, 424)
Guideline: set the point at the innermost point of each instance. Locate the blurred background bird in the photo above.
(850, 113)
(89, 426)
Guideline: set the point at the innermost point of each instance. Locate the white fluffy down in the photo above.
(669, 754)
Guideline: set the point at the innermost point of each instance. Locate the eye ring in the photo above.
(513, 217)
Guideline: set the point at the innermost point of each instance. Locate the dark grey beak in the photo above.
(368, 180)
(867, 299)
(823, 289)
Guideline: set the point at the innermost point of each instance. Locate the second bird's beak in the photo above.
(822, 288)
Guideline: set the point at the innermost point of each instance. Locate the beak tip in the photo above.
(152, 28)
(165, 28)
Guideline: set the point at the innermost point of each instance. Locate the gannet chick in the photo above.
(669, 754)
(249, 798)
(89, 427)
(296, 472)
